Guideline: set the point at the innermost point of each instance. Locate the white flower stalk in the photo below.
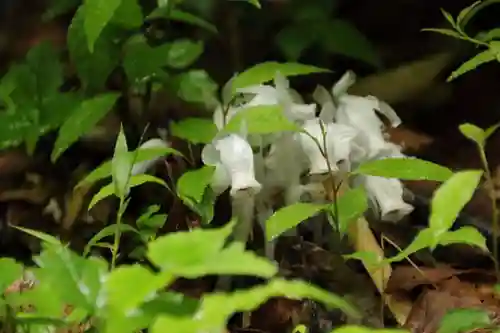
(386, 197)
(339, 140)
(234, 161)
(144, 166)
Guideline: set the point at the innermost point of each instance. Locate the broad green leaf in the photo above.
(450, 198)
(196, 86)
(289, 217)
(182, 16)
(121, 165)
(261, 119)
(294, 39)
(183, 53)
(424, 239)
(194, 130)
(98, 13)
(473, 63)
(473, 133)
(465, 235)
(192, 184)
(405, 168)
(11, 271)
(49, 239)
(13, 128)
(464, 320)
(137, 180)
(58, 7)
(93, 68)
(76, 280)
(43, 61)
(126, 294)
(150, 211)
(128, 14)
(266, 71)
(104, 192)
(447, 32)
(205, 208)
(198, 252)
(107, 231)
(143, 61)
(144, 154)
(82, 120)
(350, 206)
(341, 37)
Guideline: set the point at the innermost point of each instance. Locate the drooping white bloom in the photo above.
(234, 161)
(338, 139)
(386, 197)
(142, 167)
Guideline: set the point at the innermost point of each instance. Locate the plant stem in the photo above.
(118, 234)
(494, 219)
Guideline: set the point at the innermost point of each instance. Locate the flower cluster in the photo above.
(345, 132)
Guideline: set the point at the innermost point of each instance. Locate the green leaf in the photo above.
(473, 133)
(369, 258)
(464, 12)
(183, 53)
(490, 35)
(11, 271)
(121, 166)
(266, 71)
(144, 154)
(341, 37)
(77, 281)
(128, 14)
(216, 308)
(350, 205)
(104, 192)
(449, 18)
(293, 40)
(98, 13)
(137, 180)
(82, 120)
(196, 86)
(447, 32)
(404, 168)
(261, 119)
(464, 320)
(182, 16)
(192, 184)
(194, 130)
(256, 3)
(107, 231)
(49, 239)
(450, 198)
(473, 63)
(143, 61)
(58, 7)
(490, 130)
(424, 239)
(93, 68)
(124, 292)
(43, 61)
(464, 235)
(289, 217)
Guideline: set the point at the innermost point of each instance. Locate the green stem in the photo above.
(491, 189)
(118, 234)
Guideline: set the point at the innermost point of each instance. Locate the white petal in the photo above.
(327, 113)
(220, 179)
(346, 81)
(237, 157)
(321, 95)
(218, 117)
(386, 110)
(387, 195)
(210, 155)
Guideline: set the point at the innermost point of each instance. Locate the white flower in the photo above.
(144, 166)
(339, 139)
(234, 161)
(386, 197)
